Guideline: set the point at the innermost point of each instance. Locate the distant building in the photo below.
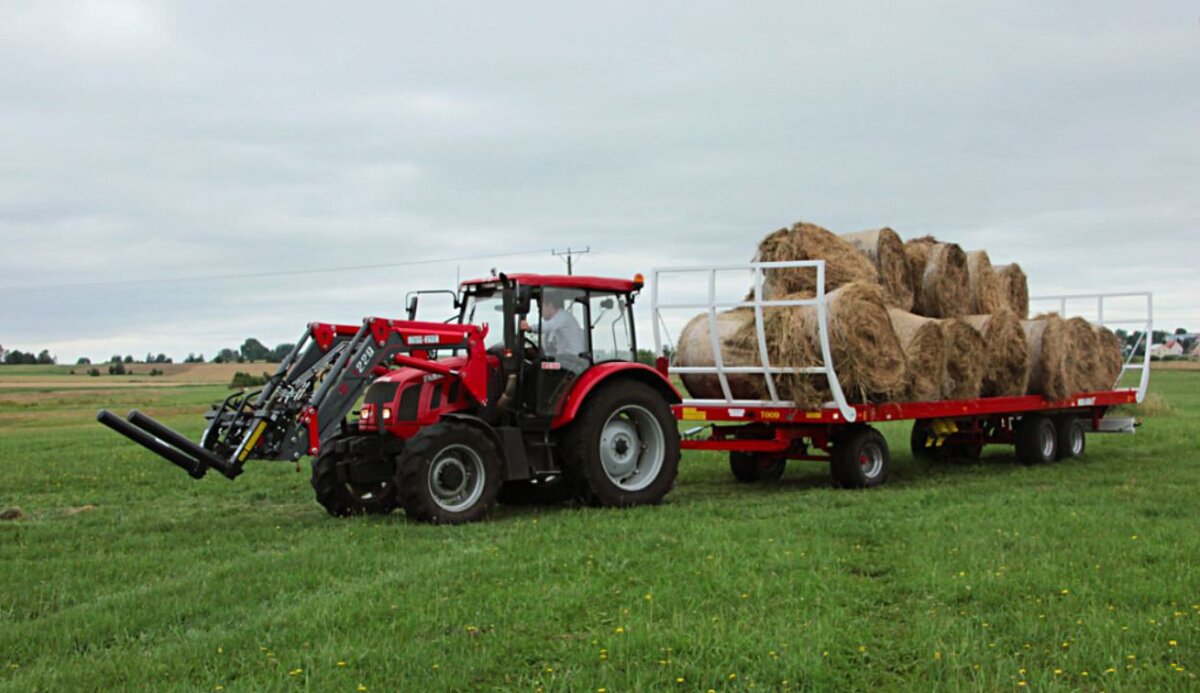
(1171, 348)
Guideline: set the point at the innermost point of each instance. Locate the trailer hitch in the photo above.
(168, 444)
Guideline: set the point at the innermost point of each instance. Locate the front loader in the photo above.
(451, 413)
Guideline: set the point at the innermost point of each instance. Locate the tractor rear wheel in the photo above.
(750, 467)
(345, 491)
(449, 473)
(623, 447)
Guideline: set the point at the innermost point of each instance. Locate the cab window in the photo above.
(612, 334)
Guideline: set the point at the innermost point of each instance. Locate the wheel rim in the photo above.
(1076, 441)
(456, 478)
(1047, 442)
(870, 460)
(632, 448)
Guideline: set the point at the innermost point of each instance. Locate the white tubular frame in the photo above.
(766, 370)
(1145, 324)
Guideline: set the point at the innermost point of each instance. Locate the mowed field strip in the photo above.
(123, 573)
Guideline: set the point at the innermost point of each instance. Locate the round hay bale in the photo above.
(924, 347)
(695, 349)
(866, 354)
(1008, 359)
(804, 241)
(986, 296)
(885, 250)
(1083, 355)
(966, 360)
(1050, 376)
(1014, 288)
(1110, 358)
(940, 278)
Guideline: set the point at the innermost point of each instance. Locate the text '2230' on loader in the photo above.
(532, 389)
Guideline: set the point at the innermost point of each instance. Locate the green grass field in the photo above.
(1084, 575)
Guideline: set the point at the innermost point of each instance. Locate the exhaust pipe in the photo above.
(195, 468)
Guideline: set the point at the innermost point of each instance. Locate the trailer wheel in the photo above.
(340, 494)
(1037, 440)
(749, 467)
(623, 447)
(1072, 438)
(860, 458)
(449, 473)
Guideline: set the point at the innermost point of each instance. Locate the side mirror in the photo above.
(524, 298)
(412, 307)
(607, 304)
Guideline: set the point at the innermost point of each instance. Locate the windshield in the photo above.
(486, 308)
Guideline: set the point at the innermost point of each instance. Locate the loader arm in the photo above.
(305, 402)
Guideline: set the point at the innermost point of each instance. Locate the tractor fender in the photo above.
(611, 372)
(509, 443)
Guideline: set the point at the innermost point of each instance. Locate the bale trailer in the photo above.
(761, 435)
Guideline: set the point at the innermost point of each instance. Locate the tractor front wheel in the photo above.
(349, 483)
(449, 473)
(623, 447)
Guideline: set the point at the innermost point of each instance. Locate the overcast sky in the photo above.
(205, 144)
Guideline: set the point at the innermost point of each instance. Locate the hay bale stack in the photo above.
(804, 241)
(1008, 359)
(966, 355)
(1014, 287)
(885, 250)
(1110, 359)
(867, 356)
(986, 296)
(1050, 376)
(924, 347)
(940, 278)
(695, 349)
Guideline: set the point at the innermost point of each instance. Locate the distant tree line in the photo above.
(15, 357)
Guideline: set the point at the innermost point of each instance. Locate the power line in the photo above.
(278, 273)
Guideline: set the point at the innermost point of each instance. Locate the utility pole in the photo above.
(568, 253)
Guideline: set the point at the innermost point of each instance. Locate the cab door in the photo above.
(558, 331)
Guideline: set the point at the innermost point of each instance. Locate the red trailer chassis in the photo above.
(977, 421)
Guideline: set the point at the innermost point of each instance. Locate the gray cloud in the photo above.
(160, 140)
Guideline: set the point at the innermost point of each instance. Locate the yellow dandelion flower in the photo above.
(437, 666)
(218, 687)
(620, 630)
(732, 676)
(601, 690)
(1022, 684)
(1058, 672)
(341, 664)
(1172, 643)
(361, 687)
(1083, 673)
(1110, 670)
(1065, 592)
(678, 679)
(862, 648)
(220, 650)
(937, 656)
(649, 597)
(745, 595)
(295, 672)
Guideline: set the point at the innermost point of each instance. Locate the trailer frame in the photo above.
(775, 430)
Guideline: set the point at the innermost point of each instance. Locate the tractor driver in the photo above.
(562, 337)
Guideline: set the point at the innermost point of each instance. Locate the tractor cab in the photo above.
(549, 330)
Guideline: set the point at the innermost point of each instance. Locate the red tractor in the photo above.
(531, 389)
